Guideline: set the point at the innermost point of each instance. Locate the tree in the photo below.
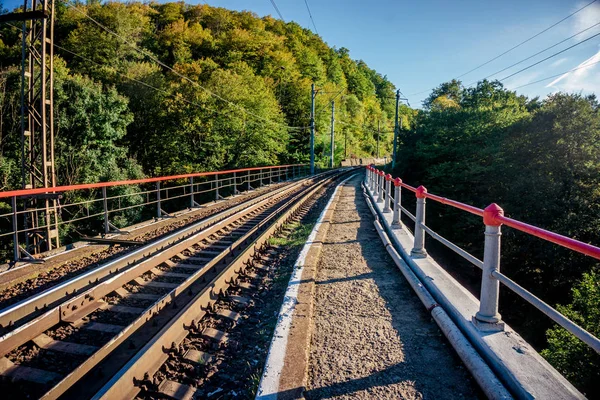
(572, 357)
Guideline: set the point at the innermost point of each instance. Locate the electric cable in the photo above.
(539, 52)
(311, 17)
(527, 40)
(516, 46)
(549, 57)
(557, 75)
(277, 9)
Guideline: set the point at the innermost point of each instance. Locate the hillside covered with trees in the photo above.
(238, 93)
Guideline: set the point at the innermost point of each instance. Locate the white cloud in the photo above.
(586, 79)
(558, 62)
(584, 19)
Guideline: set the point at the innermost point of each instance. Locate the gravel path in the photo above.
(372, 338)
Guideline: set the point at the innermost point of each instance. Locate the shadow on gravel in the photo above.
(429, 366)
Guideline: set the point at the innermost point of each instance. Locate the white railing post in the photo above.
(15, 227)
(192, 203)
(418, 250)
(105, 207)
(373, 180)
(216, 187)
(380, 183)
(397, 203)
(388, 191)
(490, 287)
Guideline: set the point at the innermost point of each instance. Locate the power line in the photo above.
(527, 40)
(156, 60)
(557, 75)
(311, 17)
(516, 46)
(540, 52)
(549, 57)
(277, 9)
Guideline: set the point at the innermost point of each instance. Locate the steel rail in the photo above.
(85, 300)
(16, 312)
(149, 359)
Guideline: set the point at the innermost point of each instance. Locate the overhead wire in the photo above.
(539, 52)
(311, 17)
(277, 9)
(528, 39)
(557, 75)
(516, 46)
(549, 57)
(159, 62)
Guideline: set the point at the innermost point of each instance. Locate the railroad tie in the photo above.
(44, 341)
(175, 390)
(19, 372)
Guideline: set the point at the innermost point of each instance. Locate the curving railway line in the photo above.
(113, 331)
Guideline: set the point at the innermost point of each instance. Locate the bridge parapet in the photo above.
(524, 371)
(102, 201)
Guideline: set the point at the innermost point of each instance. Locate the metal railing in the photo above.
(487, 317)
(104, 201)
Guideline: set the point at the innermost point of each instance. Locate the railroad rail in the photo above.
(106, 316)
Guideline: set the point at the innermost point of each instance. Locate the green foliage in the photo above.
(573, 358)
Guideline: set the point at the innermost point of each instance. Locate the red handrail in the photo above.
(564, 241)
(25, 192)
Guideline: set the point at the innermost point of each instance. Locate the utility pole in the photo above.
(396, 130)
(346, 144)
(378, 134)
(332, 134)
(312, 129)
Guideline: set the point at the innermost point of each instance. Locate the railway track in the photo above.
(118, 324)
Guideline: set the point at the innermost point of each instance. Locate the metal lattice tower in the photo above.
(37, 122)
(38, 168)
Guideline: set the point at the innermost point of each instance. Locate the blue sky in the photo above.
(420, 44)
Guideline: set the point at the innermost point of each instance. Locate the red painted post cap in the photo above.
(397, 182)
(421, 192)
(388, 177)
(490, 213)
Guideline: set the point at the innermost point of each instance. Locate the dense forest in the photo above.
(540, 161)
(171, 88)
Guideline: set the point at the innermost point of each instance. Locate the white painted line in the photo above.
(269, 383)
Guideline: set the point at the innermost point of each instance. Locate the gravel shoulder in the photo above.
(371, 337)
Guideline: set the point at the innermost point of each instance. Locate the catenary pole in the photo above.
(312, 129)
(396, 130)
(332, 134)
